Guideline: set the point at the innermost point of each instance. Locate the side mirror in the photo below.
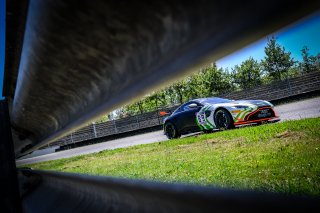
(193, 106)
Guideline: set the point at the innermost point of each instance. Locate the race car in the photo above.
(208, 114)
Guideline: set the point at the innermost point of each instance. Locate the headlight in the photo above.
(267, 102)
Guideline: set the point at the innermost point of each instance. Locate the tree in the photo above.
(193, 86)
(214, 81)
(120, 113)
(180, 88)
(309, 63)
(134, 108)
(161, 95)
(277, 61)
(104, 118)
(151, 102)
(170, 94)
(317, 62)
(248, 74)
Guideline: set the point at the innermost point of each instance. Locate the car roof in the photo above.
(210, 99)
(202, 101)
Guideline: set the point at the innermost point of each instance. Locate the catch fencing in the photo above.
(275, 91)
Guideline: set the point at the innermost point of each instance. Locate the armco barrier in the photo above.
(282, 89)
(277, 90)
(115, 127)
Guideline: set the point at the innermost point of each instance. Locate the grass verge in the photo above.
(282, 157)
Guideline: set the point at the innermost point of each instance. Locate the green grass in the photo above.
(282, 157)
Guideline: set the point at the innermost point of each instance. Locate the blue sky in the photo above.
(293, 38)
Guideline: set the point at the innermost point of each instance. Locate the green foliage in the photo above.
(282, 157)
(309, 63)
(213, 81)
(170, 95)
(194, 87)
(104, 118)
(209, 81)
(277, 61)
(248, 74)
(179, 88)
(135, 108)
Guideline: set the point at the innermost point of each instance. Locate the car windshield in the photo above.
(213, 100)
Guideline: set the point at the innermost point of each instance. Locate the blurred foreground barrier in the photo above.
(84, 193)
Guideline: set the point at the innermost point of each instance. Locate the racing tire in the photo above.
(223, 119)
(207, 131)
(171, 131)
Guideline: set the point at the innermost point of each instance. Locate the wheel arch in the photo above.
(169, 121)
(221, 107)
(178, 134)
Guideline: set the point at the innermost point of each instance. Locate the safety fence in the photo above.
(114, 127)
(277, 90)
(281, 89)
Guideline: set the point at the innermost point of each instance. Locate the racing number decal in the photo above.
(199, 120)
(203, 121)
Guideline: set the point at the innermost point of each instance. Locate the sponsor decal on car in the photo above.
(204, 121)
(240, 116)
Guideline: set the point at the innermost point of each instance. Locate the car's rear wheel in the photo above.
(223, 119)
(171, 131)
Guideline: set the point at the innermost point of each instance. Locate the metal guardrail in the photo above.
(114, 127)
(277, 90)
(75, 57)
(84, 193)
(9, 191)
(281, 89)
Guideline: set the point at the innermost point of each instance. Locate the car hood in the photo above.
(257, 103)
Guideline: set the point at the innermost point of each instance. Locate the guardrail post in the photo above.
(115, 126)
(9, 197)
(289, 85)
(158, 117)
(137, 118)
(94, 130)
(71, 138)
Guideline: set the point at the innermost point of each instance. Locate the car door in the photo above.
(187, 118)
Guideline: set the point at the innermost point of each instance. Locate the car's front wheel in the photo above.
(223, 119)
(171, 131)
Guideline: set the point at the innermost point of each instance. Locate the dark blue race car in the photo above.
(207, 114)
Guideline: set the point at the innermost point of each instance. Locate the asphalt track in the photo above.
(292, 111)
